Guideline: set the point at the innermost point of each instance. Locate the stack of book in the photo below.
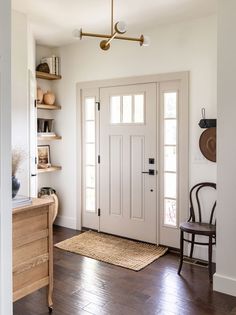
(53, 64)
(21, 201)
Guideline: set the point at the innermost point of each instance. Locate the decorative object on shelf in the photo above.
(117, 29)
(43, 67)
(39, 95)
(44, 160)
(207, 144)
(50, 193)
(206, 123)
(53, 63)
(49, 98)
(45, 126)
(17, 159)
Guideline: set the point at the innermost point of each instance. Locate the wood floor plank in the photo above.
(85, 286)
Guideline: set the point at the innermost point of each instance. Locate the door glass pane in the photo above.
(90, 199)
(170, 185)
(127, 109)
(139, 108)
(170, 132)
(170, 159)
(170, 212)
(90, 108)
(90, 131)
(170, 105)
(90, 176)
(115, 109)
(90, 154)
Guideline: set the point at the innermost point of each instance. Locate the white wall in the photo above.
(20, 113)
(5, 160)
(186, 46)
(225, 277)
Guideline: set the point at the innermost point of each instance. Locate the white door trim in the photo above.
(5, 160)
(183, 77)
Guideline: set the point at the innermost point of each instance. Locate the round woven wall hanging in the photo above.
(207, 144)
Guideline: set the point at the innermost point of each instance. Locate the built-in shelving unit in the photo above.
(47, 76)
(48, 138)
(49, 169)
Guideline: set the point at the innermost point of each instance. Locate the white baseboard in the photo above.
(67, 222)
(224, 284)
(201, 252)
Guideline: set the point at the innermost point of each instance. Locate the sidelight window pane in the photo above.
(139, 108)
(170, 105)
(90, 199)
(170, 159)
(127, 109)
(170, 212)
(170, 185)
(90, 108)
(115, 110)
(90, 154)
(90, 131)
(170, 132)
(90, 176)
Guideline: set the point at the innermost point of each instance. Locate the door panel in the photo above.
(127, 141)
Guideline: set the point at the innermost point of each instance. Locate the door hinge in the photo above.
(99, 212)
(35, 160)
(98, 104)
(99, 159)
(35, 103)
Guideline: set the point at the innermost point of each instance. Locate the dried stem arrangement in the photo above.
(18, 157)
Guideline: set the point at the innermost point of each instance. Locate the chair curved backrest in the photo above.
(194, 195)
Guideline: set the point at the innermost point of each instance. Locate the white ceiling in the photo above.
(54, 20)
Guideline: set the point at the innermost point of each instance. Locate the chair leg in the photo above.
(192, 245)
(181, 251)
(210, 258)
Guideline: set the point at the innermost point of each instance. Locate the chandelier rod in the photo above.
(112, 16)
(110, 36)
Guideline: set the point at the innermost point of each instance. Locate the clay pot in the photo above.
(39, 95)
(49, 98)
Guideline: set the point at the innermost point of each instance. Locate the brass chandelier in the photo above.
(118, 29)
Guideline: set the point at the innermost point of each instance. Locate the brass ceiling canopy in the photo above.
(118, 29)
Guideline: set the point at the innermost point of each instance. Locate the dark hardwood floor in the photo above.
(84, 286)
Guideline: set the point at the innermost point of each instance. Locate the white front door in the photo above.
(128, 177)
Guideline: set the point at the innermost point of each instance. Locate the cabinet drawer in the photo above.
(30, 222)
(28, 277)
(29, 251)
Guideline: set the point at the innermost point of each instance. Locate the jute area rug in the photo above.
(113, 250)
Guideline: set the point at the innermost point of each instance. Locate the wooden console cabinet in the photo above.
(33, 249)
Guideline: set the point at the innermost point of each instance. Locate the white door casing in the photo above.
(128, 196)
(32, 135)
(173, 84)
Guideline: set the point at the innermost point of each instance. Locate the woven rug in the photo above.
(113, 250)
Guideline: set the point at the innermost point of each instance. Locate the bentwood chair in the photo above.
(194, 226)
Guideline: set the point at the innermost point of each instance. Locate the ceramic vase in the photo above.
(15, 186)
(49, 98)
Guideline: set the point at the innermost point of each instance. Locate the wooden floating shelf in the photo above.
(50, 107)
(49, 169)
(43, 138)
(47, 76)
